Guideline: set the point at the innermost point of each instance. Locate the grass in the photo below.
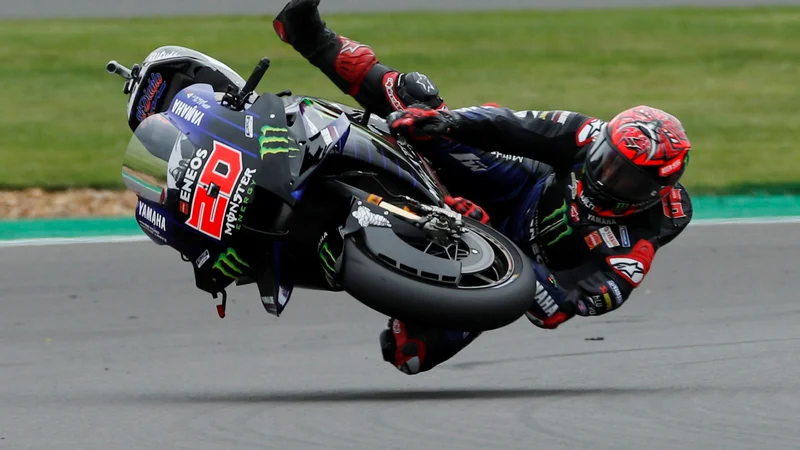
(731, 75)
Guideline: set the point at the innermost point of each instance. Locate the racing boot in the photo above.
(413, 349)
(352, 66)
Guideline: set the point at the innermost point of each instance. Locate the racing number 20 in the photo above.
(214, 189)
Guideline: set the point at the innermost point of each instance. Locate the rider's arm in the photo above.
(552, 137)
(605, 284)
(619, 264)
(352, 66)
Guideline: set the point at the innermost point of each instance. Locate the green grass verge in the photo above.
(731, 75)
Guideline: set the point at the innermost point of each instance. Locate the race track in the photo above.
(116, 8)
(109, 346)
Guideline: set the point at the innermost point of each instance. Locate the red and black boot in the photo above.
(413, 349)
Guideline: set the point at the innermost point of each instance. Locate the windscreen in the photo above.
(157, 155)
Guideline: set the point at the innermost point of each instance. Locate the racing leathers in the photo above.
(523, 169)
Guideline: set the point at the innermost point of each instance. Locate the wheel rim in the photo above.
(486, 263)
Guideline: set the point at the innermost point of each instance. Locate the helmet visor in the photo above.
(617, 179)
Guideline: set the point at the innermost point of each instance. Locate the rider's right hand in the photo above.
(419, 122)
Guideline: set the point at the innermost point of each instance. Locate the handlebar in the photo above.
(119, 69)
(256, 76)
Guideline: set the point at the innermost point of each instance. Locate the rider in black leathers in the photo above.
(590, 201)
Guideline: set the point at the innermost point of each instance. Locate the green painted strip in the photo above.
(68, 228)
(729, 207)
(745, 206)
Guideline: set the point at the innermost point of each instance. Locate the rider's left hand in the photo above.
(419, 122)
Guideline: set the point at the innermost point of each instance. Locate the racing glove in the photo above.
(300, 25)
(551, 305)
(467, 208)
(420, 123)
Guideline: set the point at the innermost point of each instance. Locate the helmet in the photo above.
(635, 161)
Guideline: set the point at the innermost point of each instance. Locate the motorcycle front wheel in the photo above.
(495, 287)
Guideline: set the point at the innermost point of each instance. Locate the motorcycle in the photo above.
(288, 191)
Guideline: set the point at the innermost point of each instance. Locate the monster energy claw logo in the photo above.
(327, 258)
(274, 140)
(229, 264)
(556, 222)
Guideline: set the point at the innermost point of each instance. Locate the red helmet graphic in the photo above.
(634, 162)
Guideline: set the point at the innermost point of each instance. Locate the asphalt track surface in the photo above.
(110, 346)
(117, 8)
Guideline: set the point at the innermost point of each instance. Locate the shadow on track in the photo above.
(354, 396)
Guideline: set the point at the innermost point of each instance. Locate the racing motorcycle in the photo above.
(288, 191)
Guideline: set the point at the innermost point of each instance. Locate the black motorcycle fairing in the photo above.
(373, 146)
(165, 72)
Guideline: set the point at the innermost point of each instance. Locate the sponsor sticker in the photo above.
(202, 259)
(472, 161)
(159, 55)
(673, 207)
(214, 189)
(608, 237)
(562, 117)
(628, 268)
(189, 113)
(248, 126)
(239, 201)
(149, 100)
(368, 218)
(200, 101)
(544, 300)
(601, 220)
(588, 131)
(623, 234)
(616, 291)
(152, 216)
(573, 213)
(593, 239)
(388, 85)
(190, 178)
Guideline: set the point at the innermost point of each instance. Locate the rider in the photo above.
(591, 201)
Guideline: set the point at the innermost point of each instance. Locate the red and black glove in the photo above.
(467, 208)
(420, 123)
(299, 24)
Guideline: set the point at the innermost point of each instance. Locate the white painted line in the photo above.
(124, 239)
(745, 221)
(71, 241)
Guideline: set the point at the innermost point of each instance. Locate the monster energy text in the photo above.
(274, 140)
(230, 264)
(241, 198)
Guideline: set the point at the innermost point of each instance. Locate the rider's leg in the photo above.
(353, 67)
(413, 349)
